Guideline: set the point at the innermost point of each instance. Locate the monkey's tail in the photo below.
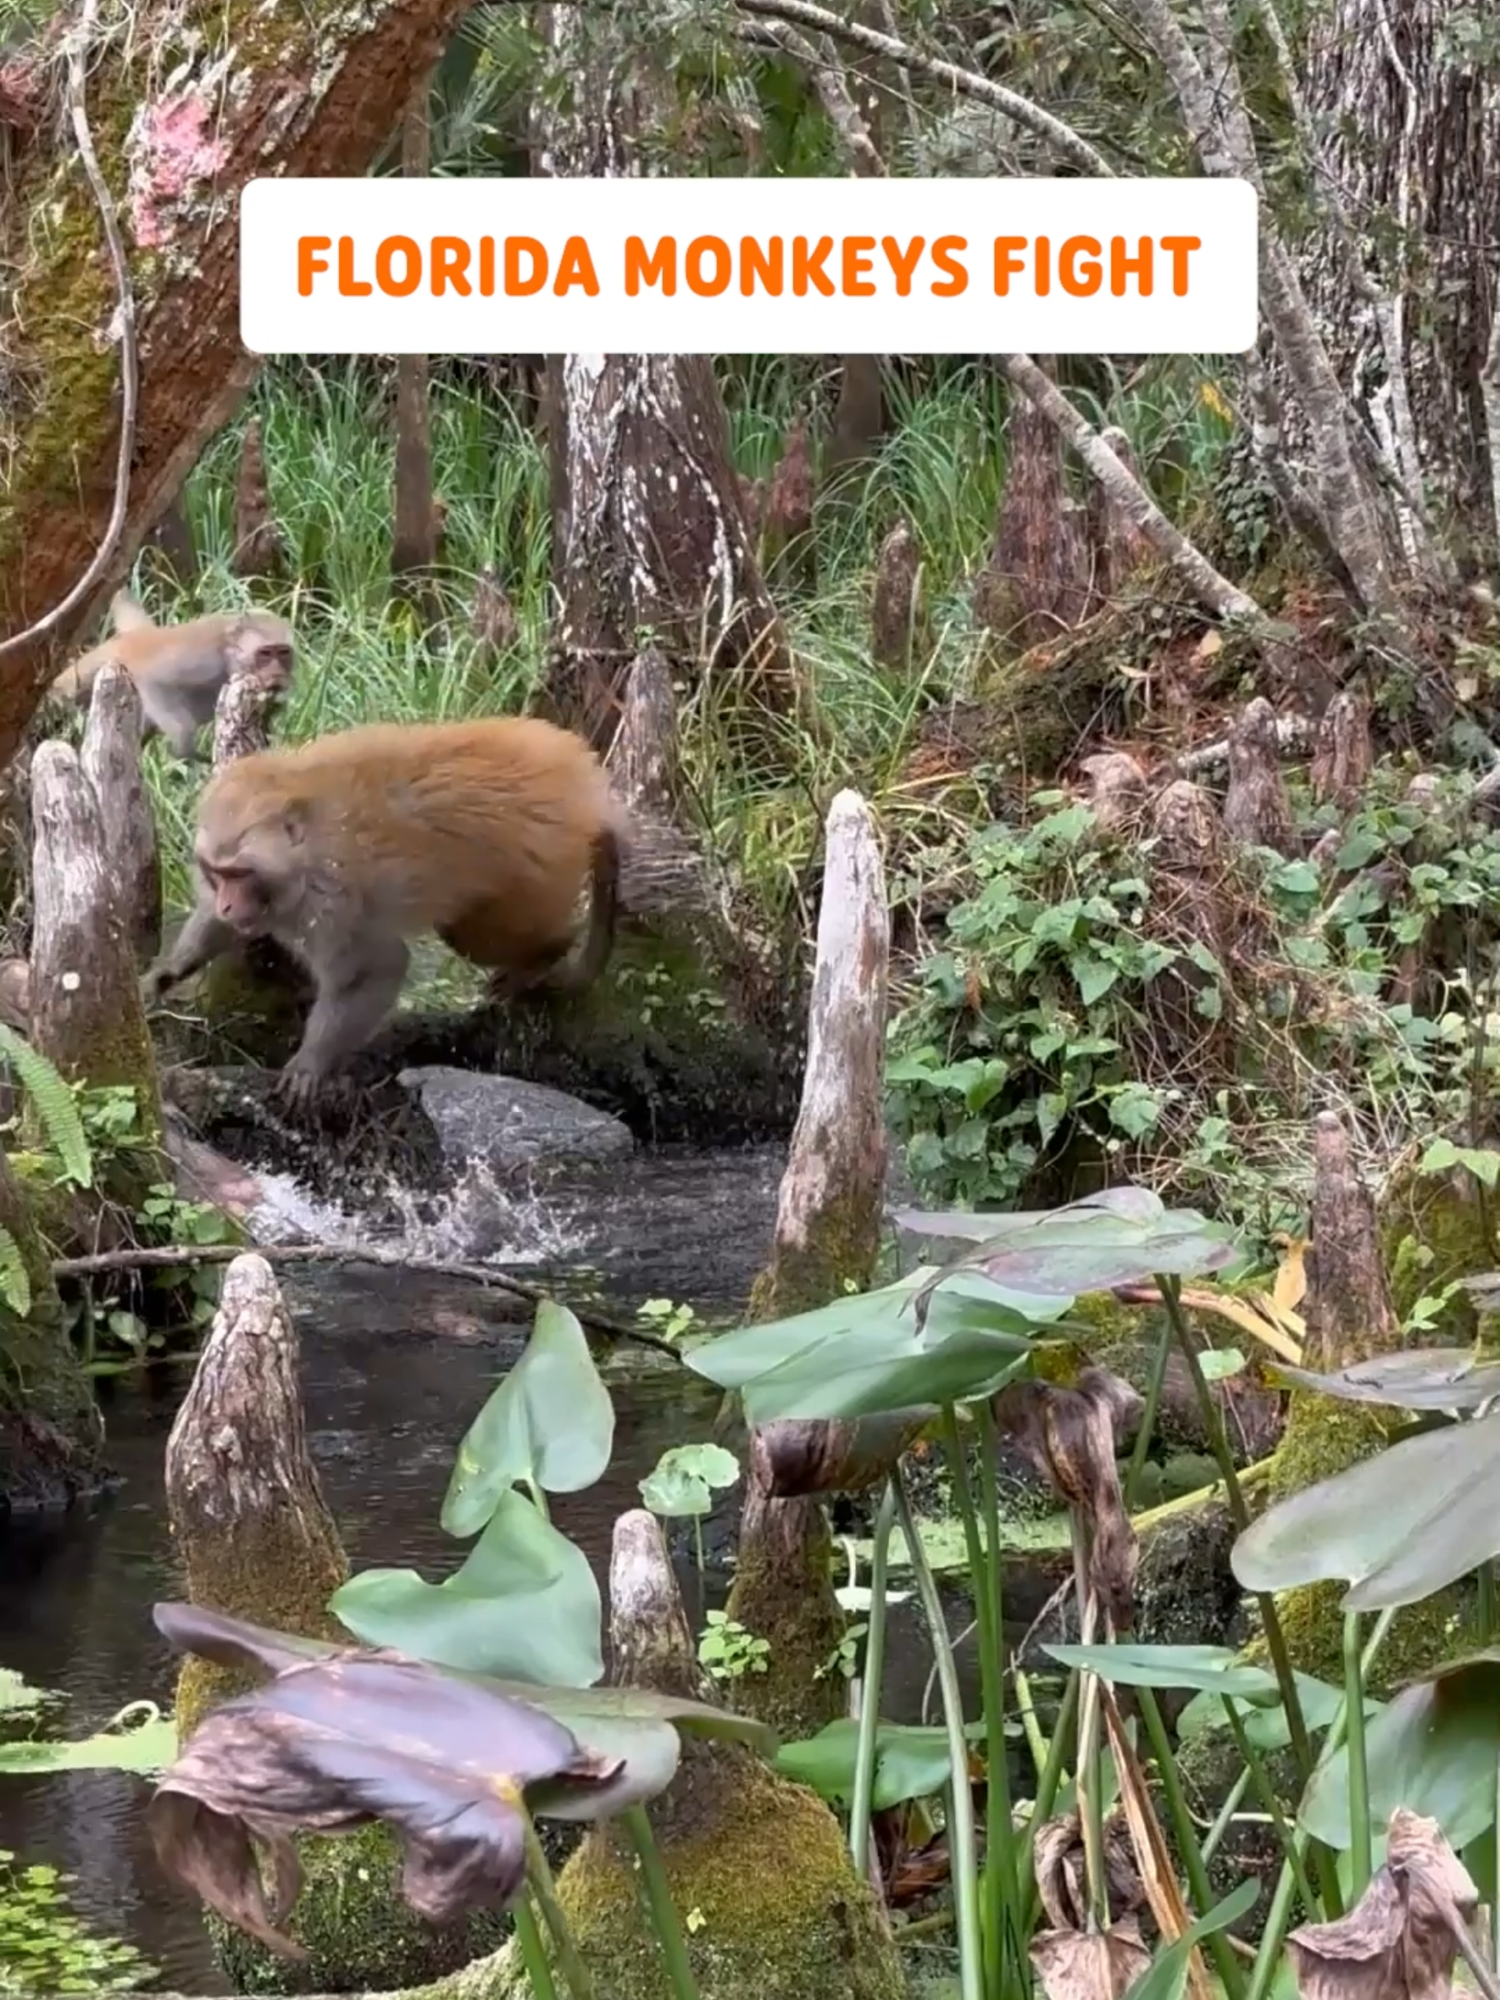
(604, 908)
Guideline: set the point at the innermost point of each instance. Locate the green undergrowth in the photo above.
(1084, 1018)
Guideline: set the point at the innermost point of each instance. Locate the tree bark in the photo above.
(179, 128)
(111, 758)
(414, 541)
(1411, 154)
(649, 528)
(827, 1234)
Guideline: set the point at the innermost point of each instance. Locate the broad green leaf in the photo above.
(1166, 1976)
(1122, 1236)
(1396, 1527)
(1427, 1378)
(1263, 1721)
(1433, 1748)
(143, 1747)
(550, 1421)
(866, 1355)
(1215, 1668)
(524, 1606)
(910, 1762)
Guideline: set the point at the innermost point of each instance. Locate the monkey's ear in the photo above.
(294, 820)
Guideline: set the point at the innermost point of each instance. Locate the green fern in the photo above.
(15, 1279)
(55, 1105)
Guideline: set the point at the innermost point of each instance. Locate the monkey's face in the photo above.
(270, 663)
(252, 880)
(261, 648)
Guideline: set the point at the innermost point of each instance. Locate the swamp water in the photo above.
(394, 1368)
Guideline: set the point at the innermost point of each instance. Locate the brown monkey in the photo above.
(344, 848)
(178, 670)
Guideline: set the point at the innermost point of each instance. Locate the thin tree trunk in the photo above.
(289, 91)
(649, 530)
(414, 543)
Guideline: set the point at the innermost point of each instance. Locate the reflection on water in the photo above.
(394, 1367)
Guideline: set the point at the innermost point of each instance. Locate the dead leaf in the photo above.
(1076, 1965)
(1400, 1940)
(1070, 1435)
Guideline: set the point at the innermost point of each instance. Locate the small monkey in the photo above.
(345, 848)
(179, 670)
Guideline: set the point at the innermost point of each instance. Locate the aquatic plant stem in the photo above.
(961, 1846)
(544, 1889)
(1360, 1856)
(1264, 1973)
(993, 1884)
(1213, 1424)
(869, 1693)
(1256, 1773)
(1215, 1835)
(659, 1902)
(1147, 1426)
(1000, 1817)
(533, 1950)
(1189, 1853)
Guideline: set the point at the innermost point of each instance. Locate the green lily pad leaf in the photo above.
(1216, 1668)
(682, 1482)
(524, 1606)
(1397, 1527)
(1264, 1721)
(1166, 1976)
(141, 1739)
(1122, 1236)
(910, 1762)
(867, 1356)
(1433, 1748)
(550, 1422)
(1429, 1378)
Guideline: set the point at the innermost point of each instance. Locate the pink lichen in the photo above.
(176, 146)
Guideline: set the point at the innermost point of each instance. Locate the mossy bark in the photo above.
(760, 1875)
(1435, 1228)
(255, 90)
(1350, 1316)
(51, 1436)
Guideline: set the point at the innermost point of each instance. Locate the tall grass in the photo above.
(328, 435)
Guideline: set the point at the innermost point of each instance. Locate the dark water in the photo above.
(394, 1367)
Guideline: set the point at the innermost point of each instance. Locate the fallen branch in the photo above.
(171, 1256)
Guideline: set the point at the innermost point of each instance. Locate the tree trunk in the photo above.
(414, 540)
(648, 524)
(289, 91)
(1412, 147)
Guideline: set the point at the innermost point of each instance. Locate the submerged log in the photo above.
(257, 1540)
(828, 1227)
(727, 1828)
(111, 759)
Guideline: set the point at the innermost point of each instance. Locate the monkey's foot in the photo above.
(304, 1091)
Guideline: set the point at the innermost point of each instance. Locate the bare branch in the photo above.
(821, 20)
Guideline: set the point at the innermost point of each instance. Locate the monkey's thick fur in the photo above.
(342, 849)
(179, 670)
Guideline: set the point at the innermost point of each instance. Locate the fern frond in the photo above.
(54, 1102)
(15, 1279)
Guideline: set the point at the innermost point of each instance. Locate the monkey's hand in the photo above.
(157, 982)
(304, 1089)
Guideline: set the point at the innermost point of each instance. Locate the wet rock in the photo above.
(511, 1126)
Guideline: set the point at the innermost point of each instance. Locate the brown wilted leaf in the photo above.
(1077, 1965)
(334, 1744)
(1061, 1880)
(1070, 1436)
(1400, 1940)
